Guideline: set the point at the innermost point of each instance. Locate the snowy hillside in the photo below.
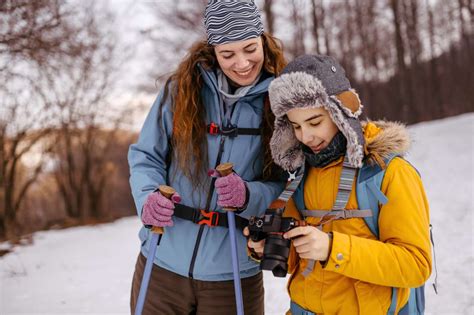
(87, 270)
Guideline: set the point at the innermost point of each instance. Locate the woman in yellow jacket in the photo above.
(317, 125)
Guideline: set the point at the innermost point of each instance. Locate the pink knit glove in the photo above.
(158, 209)
(231, 191)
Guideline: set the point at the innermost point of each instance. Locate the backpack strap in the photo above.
(338, 210)
(369, 195)
(298, 196)
(338, 214)
(345, 185)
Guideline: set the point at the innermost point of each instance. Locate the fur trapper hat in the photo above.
(312, 81)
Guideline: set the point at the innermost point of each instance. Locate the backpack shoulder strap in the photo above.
(369, 195)
(298, 196)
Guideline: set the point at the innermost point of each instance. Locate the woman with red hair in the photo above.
(213, 109)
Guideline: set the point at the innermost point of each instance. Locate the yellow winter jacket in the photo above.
(361, 270)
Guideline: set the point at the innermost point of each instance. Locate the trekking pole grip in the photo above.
(155, 239)
(167, 192)
(225, 169)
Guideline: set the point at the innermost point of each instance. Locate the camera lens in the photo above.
(275, 255)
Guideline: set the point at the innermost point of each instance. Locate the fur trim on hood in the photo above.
(383, 138)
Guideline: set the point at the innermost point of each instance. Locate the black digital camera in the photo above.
(271, 227)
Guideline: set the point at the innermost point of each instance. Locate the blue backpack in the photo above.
(369, 196)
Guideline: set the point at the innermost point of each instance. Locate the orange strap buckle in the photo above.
(211, 218)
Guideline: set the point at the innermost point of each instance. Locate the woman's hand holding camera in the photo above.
(310, 242)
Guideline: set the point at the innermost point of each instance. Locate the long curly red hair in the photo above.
(189, 127)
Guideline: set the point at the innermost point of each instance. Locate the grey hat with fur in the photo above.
(312, 81)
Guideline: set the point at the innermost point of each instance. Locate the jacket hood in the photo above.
(384, 138)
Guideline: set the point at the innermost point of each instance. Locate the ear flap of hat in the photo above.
(351, 101)
(348, 123)
(285, 148)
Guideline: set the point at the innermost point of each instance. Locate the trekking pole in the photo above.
(157, 232)
(224, 170)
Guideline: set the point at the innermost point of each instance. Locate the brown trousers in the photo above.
(170, 293)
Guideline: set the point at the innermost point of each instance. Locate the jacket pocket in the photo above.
(149, 188)
(372, 299)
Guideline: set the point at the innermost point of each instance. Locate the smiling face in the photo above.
(241, 61)
(313, 127)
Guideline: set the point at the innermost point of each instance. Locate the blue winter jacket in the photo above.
(149, 169)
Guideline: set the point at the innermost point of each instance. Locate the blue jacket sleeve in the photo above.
(147, 157)
(261, 195)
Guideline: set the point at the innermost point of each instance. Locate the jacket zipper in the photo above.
(208, 204)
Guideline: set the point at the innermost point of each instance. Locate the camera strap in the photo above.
(294, 181)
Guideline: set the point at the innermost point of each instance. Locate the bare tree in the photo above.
(375, 50)
(298, 46)
(185, 19)
(466, 11)
(35, 31)
(411, 14)
(15, 182)
(269, 16)
(33, 36)
(326, 29)
(410, 17)
(82, 92)
(367, 45)
(403, 99)
(436, 100)
(347, 39)
(316, 21)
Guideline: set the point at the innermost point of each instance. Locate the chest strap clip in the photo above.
(210, 218)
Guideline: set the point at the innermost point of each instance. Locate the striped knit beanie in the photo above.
(231, 21)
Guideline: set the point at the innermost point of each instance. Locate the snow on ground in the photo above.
(87, 270)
